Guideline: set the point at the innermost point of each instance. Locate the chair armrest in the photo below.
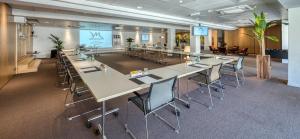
(202, 73)
(137, 94)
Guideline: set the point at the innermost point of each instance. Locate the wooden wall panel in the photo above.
(214, 38)
(7, 45)
(242, 38)
(274, 31)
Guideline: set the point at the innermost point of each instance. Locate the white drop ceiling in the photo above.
(170, 10)
(91, 26)
(290, 3)
(207, 9)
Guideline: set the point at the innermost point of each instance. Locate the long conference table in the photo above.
(109, 83)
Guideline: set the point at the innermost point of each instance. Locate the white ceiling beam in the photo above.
(81, 18)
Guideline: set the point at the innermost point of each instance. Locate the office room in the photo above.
(149, 69)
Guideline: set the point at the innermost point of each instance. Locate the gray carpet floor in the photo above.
(32, 107)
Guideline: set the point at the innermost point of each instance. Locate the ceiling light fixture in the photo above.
(139, 7)
(195, 14)
(235, 9)
(181, 1)
(118, 28)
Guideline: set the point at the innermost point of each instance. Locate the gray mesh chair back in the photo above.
(215, 73)
(239, 64)
(160, 94)
(72, 85)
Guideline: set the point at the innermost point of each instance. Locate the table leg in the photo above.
(180, 58)
(101, 126)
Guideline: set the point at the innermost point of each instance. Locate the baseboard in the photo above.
(285, 61)
(294, 84)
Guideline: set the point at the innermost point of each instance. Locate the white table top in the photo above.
(104, 85)
(109, 84)
(185, 69)
(218, 60)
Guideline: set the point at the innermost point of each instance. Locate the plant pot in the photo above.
(54, 53)
(263, 67)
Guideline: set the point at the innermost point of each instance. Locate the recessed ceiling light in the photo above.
(195, 14)
(181, 1)
(139, 7)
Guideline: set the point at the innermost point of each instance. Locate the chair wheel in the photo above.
(221, 98)
(116, 114)
(97, 132)
(209, 107)
(177, 131)
(188, 106)
(88, 124)
(78, 95)
(177, 112)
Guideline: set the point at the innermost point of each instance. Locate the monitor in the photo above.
(200, 31)
(96, 38)
(145, 37)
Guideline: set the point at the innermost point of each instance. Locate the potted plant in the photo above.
(129, 40)
(57, 42)
(263, 61)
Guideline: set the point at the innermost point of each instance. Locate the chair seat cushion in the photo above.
(229, 67)
(200, 77)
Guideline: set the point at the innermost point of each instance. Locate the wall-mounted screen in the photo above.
(200, 31)
(96, 38)
(145, 37)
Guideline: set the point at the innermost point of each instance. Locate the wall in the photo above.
(7, 45)
(70, 37)
(44, 45)
(214, 38)
(294, 47)
(154, 38)
(24, 40)
(242, 37)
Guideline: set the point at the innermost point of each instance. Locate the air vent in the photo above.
(235, 9)
(33, 21)
(18, 19)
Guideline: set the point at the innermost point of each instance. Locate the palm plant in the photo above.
(129, 40)
(263, 62)
(260, 26)
(57, 42)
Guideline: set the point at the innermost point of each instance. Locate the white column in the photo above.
(194, 42)
(171, 38)
(285, 39)
(208, 40)
(294, 49)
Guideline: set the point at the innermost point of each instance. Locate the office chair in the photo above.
(160, 95)
(68, 66)
(75, 89)
(60, 64)
(236, 67)
(209, 78)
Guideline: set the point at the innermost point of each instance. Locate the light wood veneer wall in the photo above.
(7, 45)
(241, 37)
